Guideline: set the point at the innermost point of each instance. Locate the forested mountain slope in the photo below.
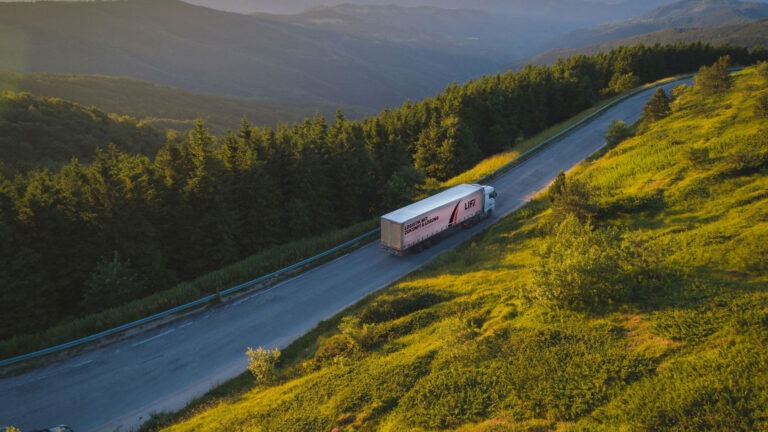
(164, 107)
(633, 296)
(48, 132)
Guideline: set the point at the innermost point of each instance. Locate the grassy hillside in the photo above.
(651, 316)
(162, 106)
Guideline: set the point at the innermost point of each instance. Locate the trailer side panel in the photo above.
(427, 218)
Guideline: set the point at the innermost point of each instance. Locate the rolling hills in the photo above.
(164, 107)
(568, 12)
(753, 34)
(502, 31)
(457, 31)
(360, 56)
(48, 132)
(670, 333)
(173, 43)
(679, 15)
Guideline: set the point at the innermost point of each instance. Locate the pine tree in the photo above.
(446, 149)
(557, 188)
(112, 283)
(657, 106)
(714, 79)
(622, 82)
(351, 171)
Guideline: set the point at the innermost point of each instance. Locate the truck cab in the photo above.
(490, 200)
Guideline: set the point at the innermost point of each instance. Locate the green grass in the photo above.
(468, 344)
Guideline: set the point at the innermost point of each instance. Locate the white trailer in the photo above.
(419, 224)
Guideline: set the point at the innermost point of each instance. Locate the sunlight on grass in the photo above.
(482, 169)
(464, 345)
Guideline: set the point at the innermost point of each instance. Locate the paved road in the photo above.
(115, 387)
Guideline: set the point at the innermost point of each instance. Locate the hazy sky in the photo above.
(295, 6)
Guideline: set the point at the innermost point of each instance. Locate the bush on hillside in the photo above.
(617, 132)
(587, 268)
(712, 80)
(263, 364)
(338, 349)
(570, 197)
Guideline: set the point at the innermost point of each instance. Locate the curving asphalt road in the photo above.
(117, 385)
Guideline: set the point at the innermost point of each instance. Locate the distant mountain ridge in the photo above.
(454, 31)
(748, 35)
(682, 14)
(706, 13)
(358, 55)
(174, 43)
(584, 12)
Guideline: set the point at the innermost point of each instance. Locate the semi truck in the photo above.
(420, 224)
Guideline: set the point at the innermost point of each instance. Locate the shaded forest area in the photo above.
(38, 132)
(92, 236)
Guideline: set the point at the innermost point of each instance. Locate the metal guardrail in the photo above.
(184, 307)
(188, 306)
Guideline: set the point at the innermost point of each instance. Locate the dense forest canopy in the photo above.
(40, 132)
(90, 236)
